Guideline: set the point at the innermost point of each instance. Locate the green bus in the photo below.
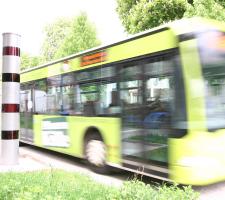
(152, 104)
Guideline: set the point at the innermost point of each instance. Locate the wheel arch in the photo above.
(90, 131)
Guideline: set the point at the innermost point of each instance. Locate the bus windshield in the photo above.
(212, 51)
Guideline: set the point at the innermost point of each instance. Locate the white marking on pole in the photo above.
(10, 121)
(12, 152)
(11, 64)
(11, 39)
(11, 97)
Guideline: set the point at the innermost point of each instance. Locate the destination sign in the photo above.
(93, 58)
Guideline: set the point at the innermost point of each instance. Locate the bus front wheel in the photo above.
(95, 153)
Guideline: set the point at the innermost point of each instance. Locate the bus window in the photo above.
(89, 95)
(159, 91)
(212, 51)
(40, 92)
(26, 101)
(96, 92)
(68, 94)
(109, 96)
(131, 86)
(23, 99)
(54, 98)
(99, 99)
(131, 92)
(26, 111)
(109, 102)
(68, 99)
(148, 95)
(61, 94)
(89, 75)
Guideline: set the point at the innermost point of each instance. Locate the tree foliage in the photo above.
(81, 36)
(140, 15)
(63, 37)
(213, 9)
(221, 2)
(28, 61)
(55, 33)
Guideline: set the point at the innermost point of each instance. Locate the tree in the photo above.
(81, 36)
(221, 2)
(28, 61)
(140, 15)
(213, 9)
(63, 37)
(55, 33)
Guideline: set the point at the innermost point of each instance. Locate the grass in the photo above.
(61, 185)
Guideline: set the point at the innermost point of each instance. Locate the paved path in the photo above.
(25, 164)
(32, 159)
(212, 192)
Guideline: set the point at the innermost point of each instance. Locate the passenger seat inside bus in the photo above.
(114, 107)
(89, 108)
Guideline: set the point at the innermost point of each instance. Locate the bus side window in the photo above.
(23, 105)
(108, 104)
(96, 92)
(89, 95)
(40, 95)
(54, 95)
(26, 98)
(160, 94)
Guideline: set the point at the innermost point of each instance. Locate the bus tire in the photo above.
(95, 153)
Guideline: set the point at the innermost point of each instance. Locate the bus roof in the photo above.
(175, 28)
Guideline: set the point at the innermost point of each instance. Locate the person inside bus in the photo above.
(157, 104)
(158, 115)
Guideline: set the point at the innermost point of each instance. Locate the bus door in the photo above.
(146, 92)
(26, 115)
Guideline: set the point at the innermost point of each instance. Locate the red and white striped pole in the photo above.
(10, 99)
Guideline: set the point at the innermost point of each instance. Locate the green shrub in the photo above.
(137, 190)
(60, 185)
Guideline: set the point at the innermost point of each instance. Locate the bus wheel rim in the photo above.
(96, 153)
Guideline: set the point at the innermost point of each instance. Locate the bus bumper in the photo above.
(198, 171)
